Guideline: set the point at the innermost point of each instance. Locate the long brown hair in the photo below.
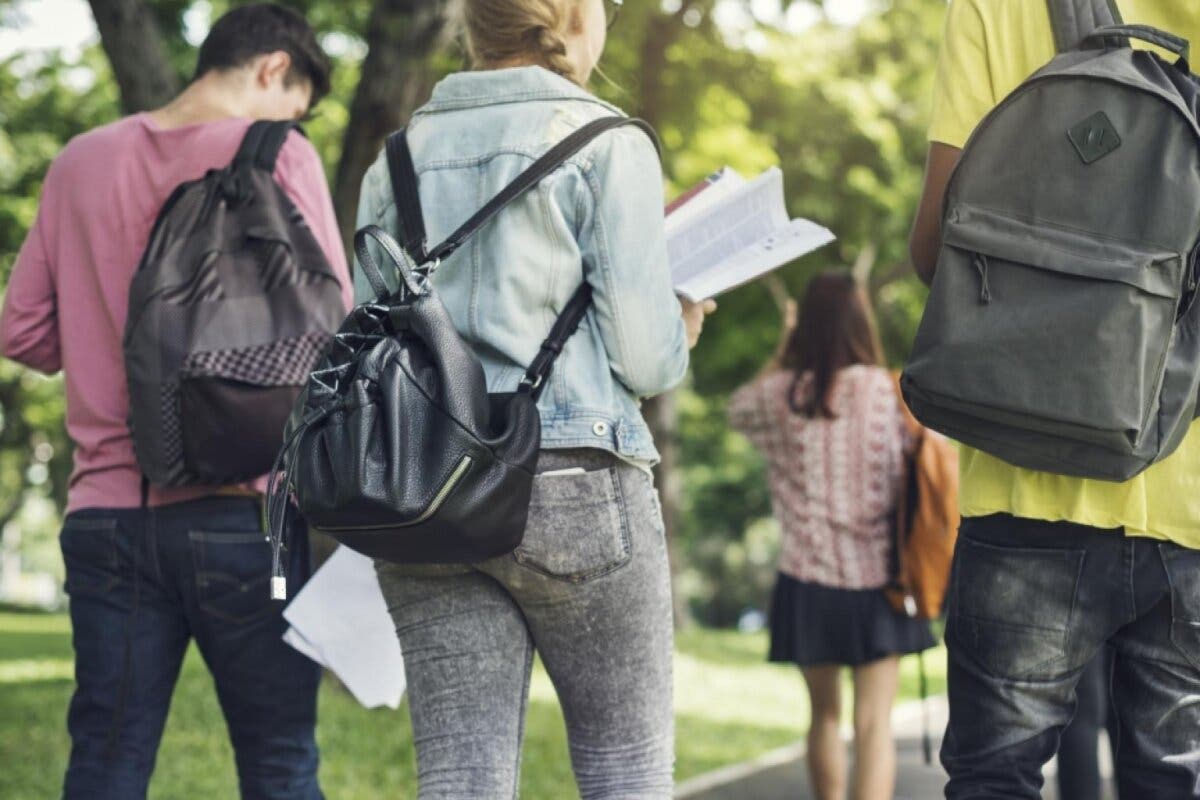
(836, 329)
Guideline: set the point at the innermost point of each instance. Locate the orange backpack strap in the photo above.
(927, 520)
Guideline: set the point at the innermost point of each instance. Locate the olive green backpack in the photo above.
(1062, 332)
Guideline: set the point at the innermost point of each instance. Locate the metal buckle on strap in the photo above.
(424, 275)
(532, 384)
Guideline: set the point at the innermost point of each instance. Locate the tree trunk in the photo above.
(660, 412)
(135, 48)
(402, 37)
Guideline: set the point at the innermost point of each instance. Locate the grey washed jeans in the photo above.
(590, 590)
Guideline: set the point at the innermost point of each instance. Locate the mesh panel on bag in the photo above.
(286, 362)
(172, 430)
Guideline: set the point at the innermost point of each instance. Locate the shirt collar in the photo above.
(510, 85)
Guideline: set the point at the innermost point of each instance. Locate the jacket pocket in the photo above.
(577, 528)
(1011, 607)
(1035, 319)
(233, 570)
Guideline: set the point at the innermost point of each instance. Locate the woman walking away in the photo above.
(827, 418)
(589, 587)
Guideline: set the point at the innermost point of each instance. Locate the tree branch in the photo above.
(661, 413)
(135, 48)
(661, 33)
(402, 36)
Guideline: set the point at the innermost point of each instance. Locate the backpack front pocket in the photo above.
(231, 429)
(229, 407)
(1049, 329)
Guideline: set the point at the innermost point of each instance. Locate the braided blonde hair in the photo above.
(505, 31)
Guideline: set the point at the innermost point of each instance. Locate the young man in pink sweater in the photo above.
(140, 592)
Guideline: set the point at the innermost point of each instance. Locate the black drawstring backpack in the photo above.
(395, 448)
(231, 306)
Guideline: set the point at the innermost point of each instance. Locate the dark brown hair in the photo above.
(836, 329)
(261, 28)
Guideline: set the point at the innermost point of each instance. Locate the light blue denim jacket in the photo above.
(599, 217)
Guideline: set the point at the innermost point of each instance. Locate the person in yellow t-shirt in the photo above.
(1051, 568)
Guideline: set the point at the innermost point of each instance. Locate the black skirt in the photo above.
(813, 624)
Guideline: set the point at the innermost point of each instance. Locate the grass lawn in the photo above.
(730, 706)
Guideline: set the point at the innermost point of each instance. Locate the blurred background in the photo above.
(834, 93)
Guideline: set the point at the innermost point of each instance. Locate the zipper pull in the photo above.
(981, 265)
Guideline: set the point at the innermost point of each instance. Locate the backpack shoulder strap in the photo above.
(404, 190)
(1075, 20)
(408, 202)
(412, 226)
(262, 143)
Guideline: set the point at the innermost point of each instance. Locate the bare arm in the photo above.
(926, 236)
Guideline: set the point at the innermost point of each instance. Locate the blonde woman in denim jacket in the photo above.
(589, 588)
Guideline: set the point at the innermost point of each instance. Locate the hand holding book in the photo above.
(693, 317)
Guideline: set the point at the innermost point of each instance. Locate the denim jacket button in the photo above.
(600, 429)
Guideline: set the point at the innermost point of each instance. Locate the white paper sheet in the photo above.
(340, 620)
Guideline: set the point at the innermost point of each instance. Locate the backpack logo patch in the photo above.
(1094, 138)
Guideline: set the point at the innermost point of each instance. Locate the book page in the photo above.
(723, 229)
(796, 238)
(714, 189)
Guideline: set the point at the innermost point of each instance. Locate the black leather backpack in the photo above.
(395, 448)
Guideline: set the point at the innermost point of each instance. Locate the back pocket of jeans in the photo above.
(233, 570)
(577, 529)
(1012, 607)
(89, 548)
(1183, 572)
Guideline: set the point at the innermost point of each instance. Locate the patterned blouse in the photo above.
(834, 482)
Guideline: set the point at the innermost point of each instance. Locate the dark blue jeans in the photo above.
(1031, 603)
(142, 584)
(1079, 744)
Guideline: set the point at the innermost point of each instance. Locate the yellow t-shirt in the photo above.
(989, 48)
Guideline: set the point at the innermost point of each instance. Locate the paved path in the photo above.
(781, 775)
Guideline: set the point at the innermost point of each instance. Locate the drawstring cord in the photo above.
(277, 502)
(279, 478)
(926, 738)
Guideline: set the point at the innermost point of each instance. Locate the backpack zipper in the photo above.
(981, 265)
(439, 499)
(1191, 284)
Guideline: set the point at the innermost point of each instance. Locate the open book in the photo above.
(727, 231)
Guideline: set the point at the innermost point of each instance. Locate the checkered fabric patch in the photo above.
(286, 362)
(172, 432)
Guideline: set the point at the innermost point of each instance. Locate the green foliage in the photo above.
(44, 101)
(841, 111)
